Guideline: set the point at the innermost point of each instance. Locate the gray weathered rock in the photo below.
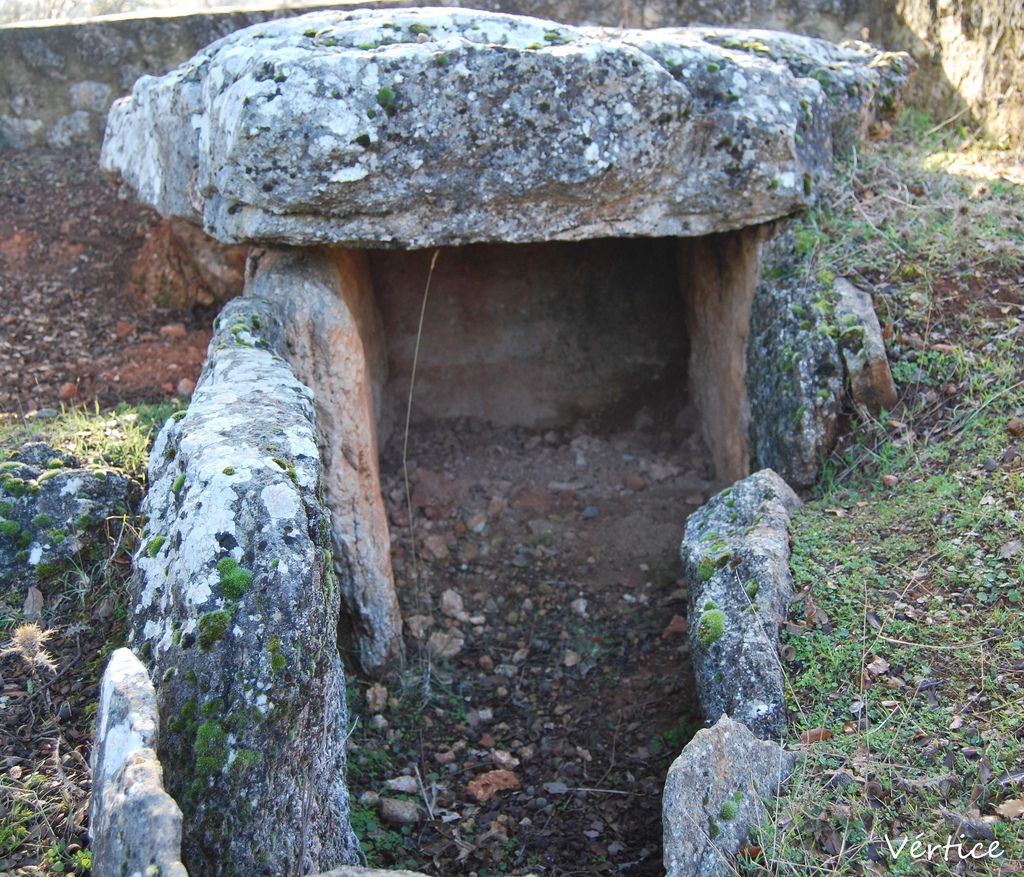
(54, 513)
(715, 792)
(335, 344)
(794, 374)
(236, 614)
(347, 128)
(736, 555)
(133, 823)
(863, 350)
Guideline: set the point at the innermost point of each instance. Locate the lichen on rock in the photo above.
(736, 555)
(236, 614)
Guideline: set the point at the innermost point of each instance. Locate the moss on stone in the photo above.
(212, 626)
(705, 569)
(211, 749)
(5, 508)
(41, 522)
(179, 483)
(10, 528)
(728, 811)
(278, 662)
(155, 545)
(710, 627)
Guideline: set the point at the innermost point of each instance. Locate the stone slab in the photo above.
(236, 614)
(736, 555)
(425, 127)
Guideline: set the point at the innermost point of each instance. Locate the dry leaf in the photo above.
(813, 613)
(1012, 809)
(1015, 427)
(1010, 549)
(890, 480)
(878, 666)
(33, 607)
(487, 785)
(571, 658)
(815, 735)
(839, 513)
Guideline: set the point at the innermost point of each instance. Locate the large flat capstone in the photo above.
(425, 127)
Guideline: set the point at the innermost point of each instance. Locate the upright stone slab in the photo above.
(236, 612)
(715, 793)
(736, 555)
(335, 343)
(426, 127)
(134, 824)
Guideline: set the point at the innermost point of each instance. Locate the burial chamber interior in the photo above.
(599, 334)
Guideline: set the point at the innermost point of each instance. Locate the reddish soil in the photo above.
(71, 328)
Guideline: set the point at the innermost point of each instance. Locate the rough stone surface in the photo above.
(53, 512)
(718, 274)
(794, 373)
(368, 872)
(334, 341)
(719, 787)
(736, 555)
(133, 823)
(863, 350)
(341, 128)
(179, 266)
(236, 612)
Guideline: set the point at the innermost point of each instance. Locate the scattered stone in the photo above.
(436, 545)
(69, 391)
(633, 482)
(185, 387)
(713, 797)
(405, 785)
(676, 626)
(495, 507)
(134, 824)
(398, 813)
(476, 523)
(173, 330)
(863, 350)
(446, 643)
(736, 555)
(590, 512)
(418, 625)
(1015, 427)
(124, 329)
(579, 607)
(487, 741)
(890, 480)
(235, 523)
(451, 604)
(53, 512)
(486, 662)
(376, 698)
(487, 785)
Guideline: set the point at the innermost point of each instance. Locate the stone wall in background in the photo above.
(57, 81)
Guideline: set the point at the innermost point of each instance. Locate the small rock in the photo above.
(991, 465)
(633, 482)
(451, 604)
(1015, 427)
(590, 512)
(890, 480)
(69, 391)
(376, 698)
(436, 545)
(551, 437)
(676, 626)
(487, 741)
(446, 643)
(694, 499)
(579, 607)
(124, 329)
(487, 785)
(185, 387)
(419, 625)
(486, 662)
(173, 330)
(475, 523)
(399, 813)
(571, 658)
(495, 507)
(403, 784)
(501, 758)
(369, 799)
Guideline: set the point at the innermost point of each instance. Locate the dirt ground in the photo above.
(72, 329)
(543, 601)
